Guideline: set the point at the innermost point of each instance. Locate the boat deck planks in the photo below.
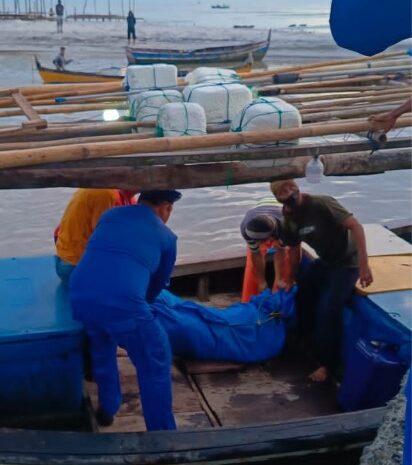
(275, 391)
(186, 405)
(226, 394)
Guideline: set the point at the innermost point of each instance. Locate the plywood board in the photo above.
(390, 273)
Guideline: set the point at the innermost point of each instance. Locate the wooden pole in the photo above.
(331, 83)
(15, 158)
(325, 64)
(201, 175)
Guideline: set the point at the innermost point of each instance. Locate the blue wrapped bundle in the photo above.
(370, 27)
(245, 333)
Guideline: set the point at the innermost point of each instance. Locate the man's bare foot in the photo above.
(319, 375)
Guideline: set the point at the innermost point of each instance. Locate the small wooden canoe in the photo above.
(53, 76)
(227, 54)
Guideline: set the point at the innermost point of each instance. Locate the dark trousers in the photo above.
(131, 32)
(322, 294)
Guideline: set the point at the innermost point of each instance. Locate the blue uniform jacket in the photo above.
(128, 261)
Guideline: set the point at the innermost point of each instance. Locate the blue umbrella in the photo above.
(369, 27)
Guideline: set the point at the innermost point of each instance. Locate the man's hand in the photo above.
(383, 121)
(365, 276)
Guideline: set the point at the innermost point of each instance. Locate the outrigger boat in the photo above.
(230, 54)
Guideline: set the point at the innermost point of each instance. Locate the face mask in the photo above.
(292, 201)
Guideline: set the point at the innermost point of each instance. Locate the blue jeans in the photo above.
(63, 269)
(322, 294)
(148, 348)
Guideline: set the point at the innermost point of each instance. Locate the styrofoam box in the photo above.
(146, 105)
(181, 119)
(220, 101)
(151, 76)
(266, 113)
(210, 74)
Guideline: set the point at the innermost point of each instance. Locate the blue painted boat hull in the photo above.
(228, 54)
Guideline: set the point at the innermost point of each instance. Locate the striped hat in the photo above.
(261, 227)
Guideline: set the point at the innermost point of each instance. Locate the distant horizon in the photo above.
(121, 7)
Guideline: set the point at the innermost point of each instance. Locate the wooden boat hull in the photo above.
(53, 76)
(228, 54)
(330, 434)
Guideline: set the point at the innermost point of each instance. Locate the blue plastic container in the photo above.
(373, 374)
(41, 369)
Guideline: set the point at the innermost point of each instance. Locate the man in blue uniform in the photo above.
(128, 261)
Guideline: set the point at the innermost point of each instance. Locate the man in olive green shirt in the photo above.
(325, 286)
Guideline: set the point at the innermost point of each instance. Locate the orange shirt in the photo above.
(80, 219)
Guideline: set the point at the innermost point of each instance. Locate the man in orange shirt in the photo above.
(79, 221)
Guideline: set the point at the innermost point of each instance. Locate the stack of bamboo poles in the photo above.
(331, 97)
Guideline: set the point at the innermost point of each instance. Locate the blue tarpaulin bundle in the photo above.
(369, 27)
(245, 333)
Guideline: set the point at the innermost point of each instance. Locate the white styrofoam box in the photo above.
(209, 74)
(266, 113)
(146, 105)
(150, 76)
(181, 119)
(221, 101)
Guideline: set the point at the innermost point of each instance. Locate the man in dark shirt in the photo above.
(131, 27)
(59, 16)
(325, 286)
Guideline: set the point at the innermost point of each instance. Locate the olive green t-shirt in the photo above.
(318, 221)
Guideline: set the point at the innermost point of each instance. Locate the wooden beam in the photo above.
(34, 119)
(203, 175)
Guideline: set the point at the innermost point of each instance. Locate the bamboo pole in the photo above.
(202, 175)
(49, 110)
(15, 158)
(348, 113)
(325, 64)
(320, 103)
(75, 140)
(323, 84)
(16, 134)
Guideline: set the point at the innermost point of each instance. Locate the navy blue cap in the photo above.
(160, 195)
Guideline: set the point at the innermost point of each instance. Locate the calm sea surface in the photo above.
(206, 220)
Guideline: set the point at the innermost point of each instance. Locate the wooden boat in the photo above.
(227, 54)
(53, 76)
(220, 6)
(227, 413)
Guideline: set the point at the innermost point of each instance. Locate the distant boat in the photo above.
(221, 7)
(53, 76)
(241, 26)
(227, 54)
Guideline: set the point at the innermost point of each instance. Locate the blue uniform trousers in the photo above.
(148, 348)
